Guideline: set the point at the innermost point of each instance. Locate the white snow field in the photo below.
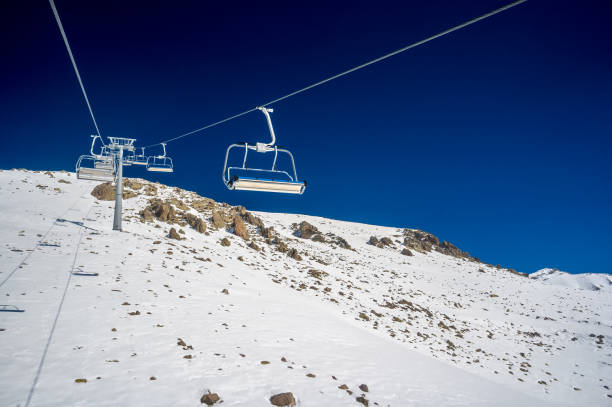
(166, 321)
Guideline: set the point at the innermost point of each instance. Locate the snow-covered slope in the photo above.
(166, 321)
(585, 281)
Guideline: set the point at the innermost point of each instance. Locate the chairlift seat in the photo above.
(160, 164)
(267, 185)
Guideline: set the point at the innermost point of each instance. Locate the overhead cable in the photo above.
(76, 70)
(373, 61)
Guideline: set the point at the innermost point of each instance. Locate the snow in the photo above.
(439, 330)
(585, 281)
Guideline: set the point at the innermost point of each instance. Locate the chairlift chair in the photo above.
(96, 167)
(259, 179)
(160, 163)
(91, 168)
(136, 159)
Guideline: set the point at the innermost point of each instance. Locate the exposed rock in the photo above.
(364, 387)
(317, 274)
(254, 246)
(146, 215)
(104, 192)
(150, 190)
(173, 234)
(293, 253)
(282, 247)
(179, 204)
(195, 222)
(305, 230)
(240, 228)
(217, 220)
(225, 242)
(342, 243)
(318, 237)
(210, 399)
(203, 204)
(406, 252)
(268, 233)
(50, 174)
(240, 210)
(363, 401)
(253, 220)
(132, 184)
(283, 400)
(160, 210)
(373, 241)
(64, 181)
(385, 241)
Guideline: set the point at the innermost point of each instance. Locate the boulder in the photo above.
(283, 400)
(293, 253)
(342, 243)
(104, 192)
(373, 241)
(173, 234)
(210, 399)
(305, 230)
(225, 242)
(406, 252)
(385, 241)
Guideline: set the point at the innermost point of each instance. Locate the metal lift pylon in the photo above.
(117, 145)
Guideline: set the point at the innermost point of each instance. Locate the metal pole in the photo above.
(118, 193)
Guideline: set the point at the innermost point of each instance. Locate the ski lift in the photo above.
(96, 167)
(136, 159)
(268, 180)
(160, 163)
(90, 168)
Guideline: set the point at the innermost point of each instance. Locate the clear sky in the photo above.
(496, 137)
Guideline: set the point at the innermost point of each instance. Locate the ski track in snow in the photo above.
(422, 330)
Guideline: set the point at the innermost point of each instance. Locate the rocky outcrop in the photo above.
(217, 220)
(104, 192)
(424, 242)
(162, 211)
(195, 222)
(305, 230)
(239, 228)
(385, 241)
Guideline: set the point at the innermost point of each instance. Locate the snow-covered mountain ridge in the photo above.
(326, 303)
(585, 281)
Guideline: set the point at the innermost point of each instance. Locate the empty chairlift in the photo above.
(136, 159)
(97, 167)
(259, 179)
(160, 163)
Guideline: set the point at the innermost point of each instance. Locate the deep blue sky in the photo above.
(496, 138)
